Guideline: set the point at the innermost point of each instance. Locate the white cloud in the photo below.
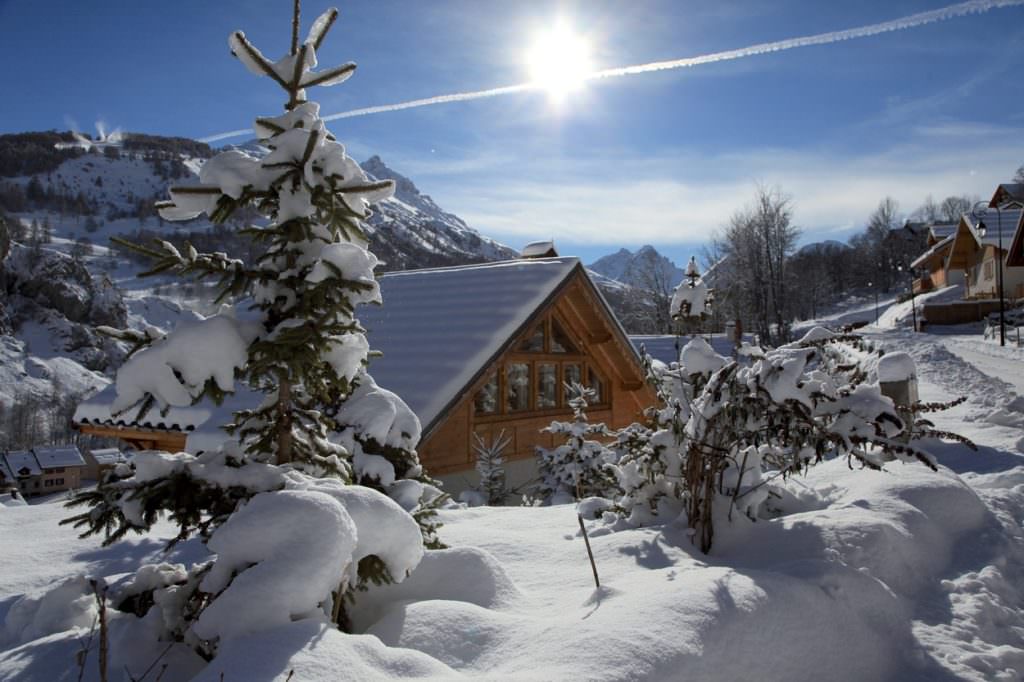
(683, 199)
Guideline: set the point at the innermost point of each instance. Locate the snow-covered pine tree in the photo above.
(490, 467)
(293, 336)
(580, 467)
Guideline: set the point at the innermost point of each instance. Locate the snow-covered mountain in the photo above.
(410, 230)
(633, 268)
(69, 202)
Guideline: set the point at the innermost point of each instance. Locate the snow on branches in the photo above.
(292, 538)
(723, 430)
(580, 467)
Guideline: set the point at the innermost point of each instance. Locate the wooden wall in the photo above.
(448, 449)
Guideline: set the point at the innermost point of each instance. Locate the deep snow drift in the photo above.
(905, 574)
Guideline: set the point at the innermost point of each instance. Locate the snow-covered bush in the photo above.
(580, 467)
(721, 433)
(291, 538)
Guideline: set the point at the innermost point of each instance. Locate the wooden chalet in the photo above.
(1008, 195)
(932, 262)
(478, 350)
(977, 256)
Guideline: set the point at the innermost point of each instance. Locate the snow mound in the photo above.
(698, 357)
(272, 531)
(318, 653)
(896, 367)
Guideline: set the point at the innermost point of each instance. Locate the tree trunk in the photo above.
(284, 420)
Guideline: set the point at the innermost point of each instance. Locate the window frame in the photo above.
(533, 359)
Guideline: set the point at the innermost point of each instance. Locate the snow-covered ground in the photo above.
(901, 575)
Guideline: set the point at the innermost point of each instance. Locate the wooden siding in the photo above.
(448, 449)
(138, 438)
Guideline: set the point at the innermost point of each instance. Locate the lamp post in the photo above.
(982, 229)
(871, 285)
(900, 267)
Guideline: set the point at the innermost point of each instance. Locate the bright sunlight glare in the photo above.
(559, 60)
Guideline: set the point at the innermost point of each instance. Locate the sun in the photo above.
(559, 60)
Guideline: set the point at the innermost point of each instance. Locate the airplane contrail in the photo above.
(901, 24)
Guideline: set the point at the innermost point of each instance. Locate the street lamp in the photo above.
(982, 229)
(900, 267)
(871, 286)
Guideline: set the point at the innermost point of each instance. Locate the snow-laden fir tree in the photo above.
(490, 467)
(273, 501)
(581, 466)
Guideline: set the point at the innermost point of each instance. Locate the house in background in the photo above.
(43, 470)
(99, 461)
(975, 255)
(1008, 195)
(474, 350)
(932, 262)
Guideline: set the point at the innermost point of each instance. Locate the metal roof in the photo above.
(55, 457)
(437, 329)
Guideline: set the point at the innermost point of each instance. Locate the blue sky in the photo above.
(662, 158)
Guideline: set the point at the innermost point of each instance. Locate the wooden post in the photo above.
(590, 552)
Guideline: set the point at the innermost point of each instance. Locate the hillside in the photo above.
(64, 199)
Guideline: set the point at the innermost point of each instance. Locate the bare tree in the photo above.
(651, 276)
(928, 212)
(953, 207)
(757, 245)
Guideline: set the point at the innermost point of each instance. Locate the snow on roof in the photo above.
(107, 456)
(938, 246)
(1008, 220)
(942, 230)
(57, 457)
(539, 249)
(5, 472)
(438, 328)
(23, 463)
(201, 421)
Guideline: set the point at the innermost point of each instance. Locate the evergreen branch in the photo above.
(332, 74)
(243, 43)
(321, 26)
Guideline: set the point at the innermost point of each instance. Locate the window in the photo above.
(517, 386)
(988, 270)
(547, 386)
(534, 343)
(486, 401)
(594, 382)
(560, 342)
(59, 481)
(572, 373)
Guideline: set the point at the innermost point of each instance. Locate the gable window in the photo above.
(517, 386)
(534, 343)
(572, 373)
(595, 382)
(535, 376)
(547, 386)
(486, 400)
(560, 341)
